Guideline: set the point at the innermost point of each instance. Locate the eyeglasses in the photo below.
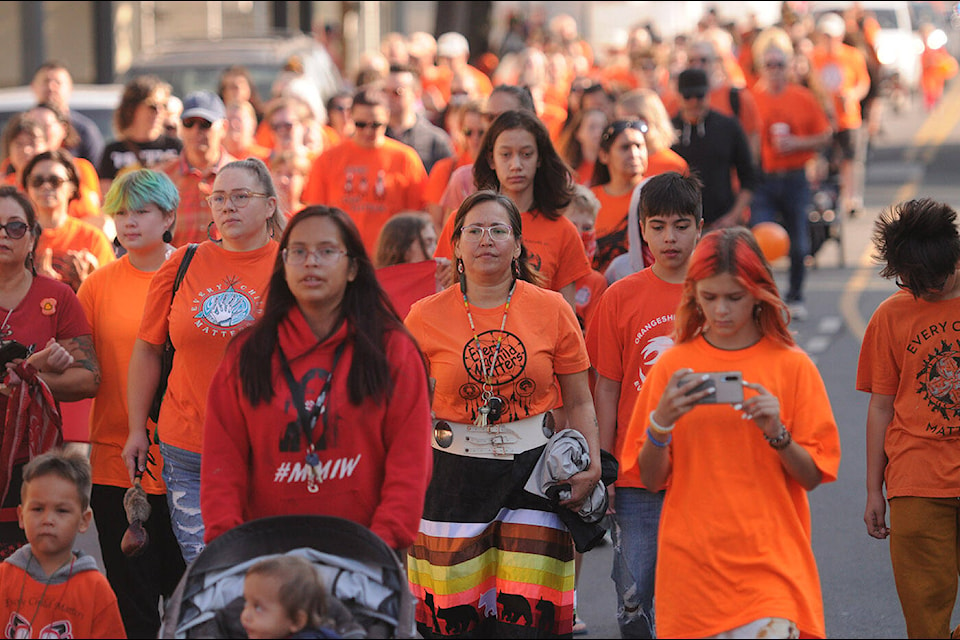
(240, 199)
(497, 232)
(363, 124)
(616, 128)
(54, 181)
(15, 229)
(325, 256)
(470, 132)
(192, 122)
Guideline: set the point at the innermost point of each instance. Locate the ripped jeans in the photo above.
(634, 533)
(181, 473)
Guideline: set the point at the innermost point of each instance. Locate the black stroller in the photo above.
(824, 220)
(365, 577)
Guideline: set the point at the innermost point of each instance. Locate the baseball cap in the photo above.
(693, 83)
(452, 45)
(203, 104)
(832, 24)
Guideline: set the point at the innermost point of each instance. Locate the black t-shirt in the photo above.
(120, 154)
(713, 148)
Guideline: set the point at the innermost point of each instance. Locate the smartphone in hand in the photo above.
(727, 385)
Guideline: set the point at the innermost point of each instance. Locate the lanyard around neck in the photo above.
(309, 420)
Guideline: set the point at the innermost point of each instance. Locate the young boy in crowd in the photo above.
(907, 365)
(284, 598)
(582, 212)
(48, 590)
(631, 327)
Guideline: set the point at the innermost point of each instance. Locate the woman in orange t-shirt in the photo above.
(222, 293)
(734, 553)
(143, 203)
(580, 143)
(621, 163)
(69, 248)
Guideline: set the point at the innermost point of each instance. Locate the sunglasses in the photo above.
(693, 95)
(618, 127)
(362, 124)
(197, 122)
(54, 181)
(15, 229)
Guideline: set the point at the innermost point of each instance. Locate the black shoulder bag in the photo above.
(166, 356)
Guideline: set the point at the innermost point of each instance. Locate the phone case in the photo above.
(728, 387)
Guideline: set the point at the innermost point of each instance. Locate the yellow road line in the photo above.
(931, 134)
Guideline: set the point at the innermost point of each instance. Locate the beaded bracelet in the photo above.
(658, 427)
(782, 441)
(656, 442)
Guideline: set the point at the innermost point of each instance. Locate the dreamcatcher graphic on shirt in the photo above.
(939, 379)
(507, 376)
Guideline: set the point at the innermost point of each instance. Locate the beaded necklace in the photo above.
(492, 405)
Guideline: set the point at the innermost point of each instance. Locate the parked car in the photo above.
(196, 65)
(96, 101)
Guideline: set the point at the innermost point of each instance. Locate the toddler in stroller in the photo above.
(366, 586)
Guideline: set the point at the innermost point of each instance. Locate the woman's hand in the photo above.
(763, 409)
(135, 453)
(53, 358)
(678, 399)
(581, 486)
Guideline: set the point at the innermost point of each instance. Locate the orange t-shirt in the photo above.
(555, 248)
(838, 73)
(222, 293)
(112, 298)
(585, 173)
(734, 542)
(371, 185)
(74, 235)
(908, 351)
(666, 160)
(440, 174)
(553, 118)
(798, 108)
(631, 328)
(88, 204)
(542, 339)
(611, 225)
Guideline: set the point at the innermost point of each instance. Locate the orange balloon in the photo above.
(773, 239)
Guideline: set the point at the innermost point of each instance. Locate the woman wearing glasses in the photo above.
(138, 124)
(69, 249)
(44, 316)
(498, 350)
(321, 406)
(621, 164)
(143, 205)
(223, 291)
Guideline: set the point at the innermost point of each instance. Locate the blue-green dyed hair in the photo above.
(136, 189)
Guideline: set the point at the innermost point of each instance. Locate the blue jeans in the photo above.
(181, 473)
(786, 194)
(635, 527)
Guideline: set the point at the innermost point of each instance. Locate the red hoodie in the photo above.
(375, 458)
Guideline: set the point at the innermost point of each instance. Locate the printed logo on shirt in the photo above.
(19, 627)
(226, 308)
(506, 374)
(363, 189)
(650, 353)
(939, 383)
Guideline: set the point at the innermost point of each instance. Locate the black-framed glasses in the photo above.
(194, 122)
(15, 229)
(54, 181)
(619, 126)
(363, 124)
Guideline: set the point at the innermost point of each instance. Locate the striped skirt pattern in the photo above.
(490, 560)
